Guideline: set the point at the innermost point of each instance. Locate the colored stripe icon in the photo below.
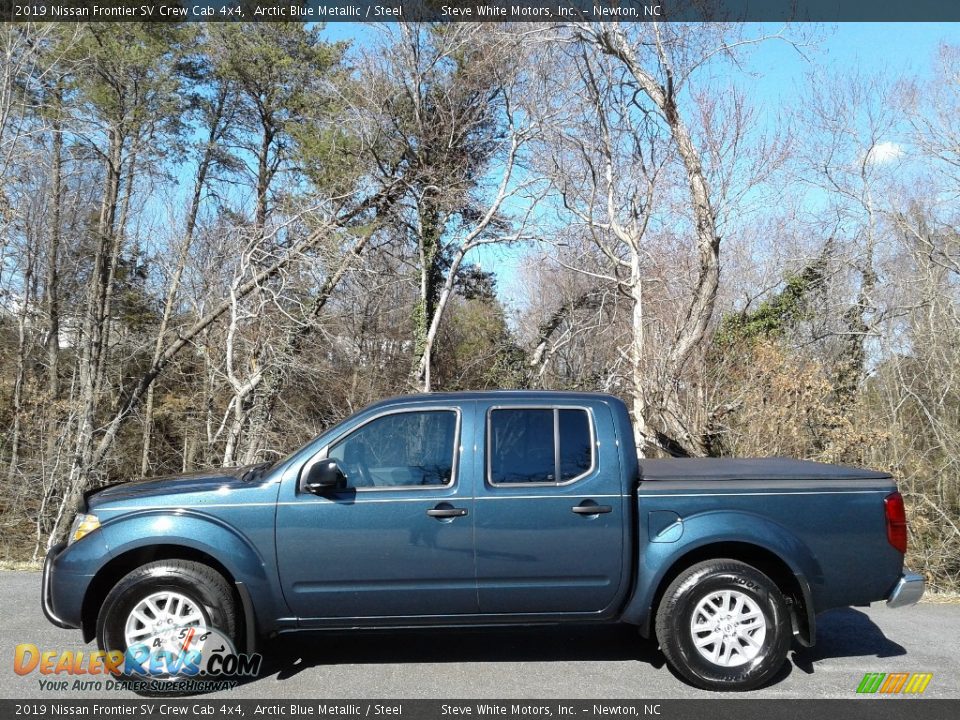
(918, 683)
(893, 683)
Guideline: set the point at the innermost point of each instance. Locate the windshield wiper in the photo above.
(256, 472)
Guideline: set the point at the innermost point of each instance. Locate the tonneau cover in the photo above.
(751, 469)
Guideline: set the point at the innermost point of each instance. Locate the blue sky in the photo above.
(890, 48)
(779, 70)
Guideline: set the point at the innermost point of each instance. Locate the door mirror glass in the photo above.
(324, 476)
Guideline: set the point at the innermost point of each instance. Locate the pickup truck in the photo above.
(489, 508)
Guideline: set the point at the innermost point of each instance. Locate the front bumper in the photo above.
(907, 591)
(46, 587)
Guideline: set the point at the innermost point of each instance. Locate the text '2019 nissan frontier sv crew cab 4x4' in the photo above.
(490, 508)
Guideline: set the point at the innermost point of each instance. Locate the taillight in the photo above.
(896, 521)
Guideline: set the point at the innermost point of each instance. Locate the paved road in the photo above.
(566, 662)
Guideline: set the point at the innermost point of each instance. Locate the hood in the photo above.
(169, 485)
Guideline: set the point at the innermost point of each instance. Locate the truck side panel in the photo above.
(830, 534)
(236, 527)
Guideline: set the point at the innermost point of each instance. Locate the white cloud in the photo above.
(884, 152)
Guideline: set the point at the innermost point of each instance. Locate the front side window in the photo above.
(539, 445)
(401, 450)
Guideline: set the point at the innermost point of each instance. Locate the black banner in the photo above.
(477, 10)
(876, 708)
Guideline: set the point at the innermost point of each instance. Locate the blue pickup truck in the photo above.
(489, 508)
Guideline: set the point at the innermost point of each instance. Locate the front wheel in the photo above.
(723, 625)
(162, 615)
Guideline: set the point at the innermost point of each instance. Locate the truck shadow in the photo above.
(840, 633)
(289, 656)
(845, 633)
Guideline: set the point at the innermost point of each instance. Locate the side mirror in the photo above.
(324, 476)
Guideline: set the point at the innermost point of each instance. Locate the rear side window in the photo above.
(576, 446)
(539, 445)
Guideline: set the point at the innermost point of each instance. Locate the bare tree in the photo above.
(80, 474)
(218, 114)
(854, 153)
(620, 158)
(441, 100)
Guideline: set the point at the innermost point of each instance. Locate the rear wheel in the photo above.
(724, 625)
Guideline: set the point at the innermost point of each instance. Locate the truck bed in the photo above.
(833, 516)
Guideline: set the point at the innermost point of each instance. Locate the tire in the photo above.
(199, 590)
(735, 654)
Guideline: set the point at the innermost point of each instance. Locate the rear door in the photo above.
(398, 542)
(549, 511)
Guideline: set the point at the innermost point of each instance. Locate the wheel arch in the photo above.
(792, 583)
(122, 564)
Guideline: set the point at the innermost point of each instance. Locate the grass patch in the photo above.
(27, 565)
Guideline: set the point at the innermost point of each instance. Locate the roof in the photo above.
(539, 396)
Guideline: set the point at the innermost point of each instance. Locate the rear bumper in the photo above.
(907, 591)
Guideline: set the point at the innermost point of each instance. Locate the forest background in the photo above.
(218, 240)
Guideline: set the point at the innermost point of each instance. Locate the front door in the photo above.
(550, 512)
(399, 540)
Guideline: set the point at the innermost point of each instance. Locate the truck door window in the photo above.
(576, 446)
(410, 449)
(539, 445)
(521, 447)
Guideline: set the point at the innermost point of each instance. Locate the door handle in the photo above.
(592, 509)
(446, 512)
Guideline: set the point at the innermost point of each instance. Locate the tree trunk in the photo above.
(699, 311)
(431, 276)
(52, 288)
(53, 254)
(242, 402)
(95, 318)
(116, 248)
(437, 316)
(181, 263)
(20, 376)
(639, 407)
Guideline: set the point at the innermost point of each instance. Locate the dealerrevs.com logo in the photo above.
(180, 659)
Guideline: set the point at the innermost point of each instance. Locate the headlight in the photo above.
(82, 525)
